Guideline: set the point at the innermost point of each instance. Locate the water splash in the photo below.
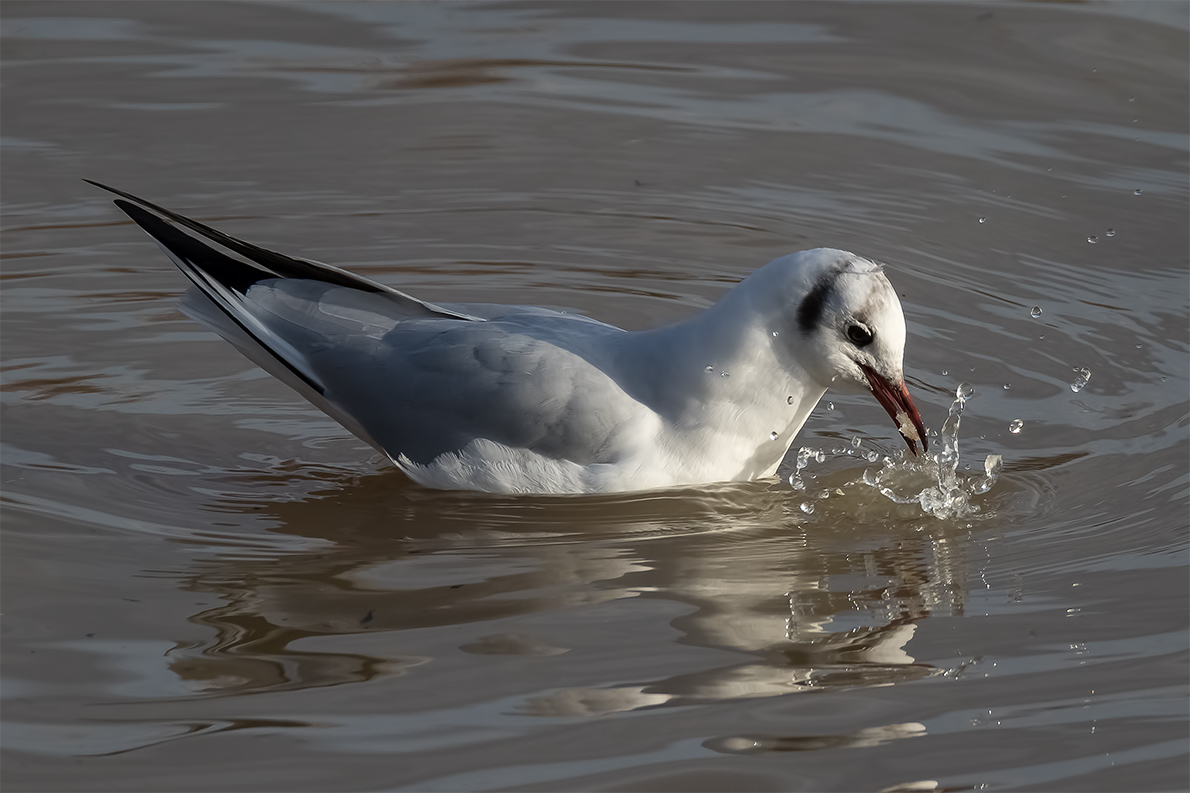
(933, 482)
(803, 459)
(1081, 376)
(951, 496)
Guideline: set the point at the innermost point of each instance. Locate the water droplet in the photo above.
(945, 372)
(1035, 312)
(725, 374)
(855, 442)
(983, 220)
(776, 334)
(1110, 232)
(820, 457)
(1137, 191)
(709, 369)
(774, 435)
(1015, 426)
(789, 399)
(873, 456)
(1042, 337)
(992, 464)
(1092, 239)
(1007, 386)
(830, 405)
(807, 507)
(1132, 99)
(965, 391)
(1081, 376)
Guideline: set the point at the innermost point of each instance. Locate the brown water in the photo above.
(209, 586)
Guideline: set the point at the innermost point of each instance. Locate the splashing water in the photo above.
(932, 481)
(950, 497)
(1081, 376)
(803, 459)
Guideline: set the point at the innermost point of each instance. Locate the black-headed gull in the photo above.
(521, 399)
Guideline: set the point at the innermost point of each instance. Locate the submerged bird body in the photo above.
(522, 399)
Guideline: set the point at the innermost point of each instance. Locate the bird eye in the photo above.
(859, 335)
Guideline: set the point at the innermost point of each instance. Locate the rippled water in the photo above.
(209, 586)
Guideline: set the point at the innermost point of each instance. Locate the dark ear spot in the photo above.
(810, 311)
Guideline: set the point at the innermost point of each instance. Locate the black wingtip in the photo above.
(102, 186)
(135, 199)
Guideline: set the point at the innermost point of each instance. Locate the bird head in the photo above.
(849, 330)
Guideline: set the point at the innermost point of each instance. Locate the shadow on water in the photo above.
(794, 602)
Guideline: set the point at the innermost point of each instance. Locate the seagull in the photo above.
(525, 399)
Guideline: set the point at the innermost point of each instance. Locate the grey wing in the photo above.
(425, 386)
(428, 387)
(407, 376)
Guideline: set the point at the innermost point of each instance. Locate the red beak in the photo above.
(896, 400)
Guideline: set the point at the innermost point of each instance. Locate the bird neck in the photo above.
(717, 378)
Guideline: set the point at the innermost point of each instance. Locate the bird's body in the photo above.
(521, 399)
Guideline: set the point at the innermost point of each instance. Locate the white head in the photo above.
(842, 323)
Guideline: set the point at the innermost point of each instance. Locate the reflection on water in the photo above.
(800, 603)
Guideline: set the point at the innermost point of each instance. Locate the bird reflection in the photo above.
(793, 602)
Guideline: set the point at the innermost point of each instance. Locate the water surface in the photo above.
(208, 585)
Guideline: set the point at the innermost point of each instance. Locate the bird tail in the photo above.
(223, 269)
